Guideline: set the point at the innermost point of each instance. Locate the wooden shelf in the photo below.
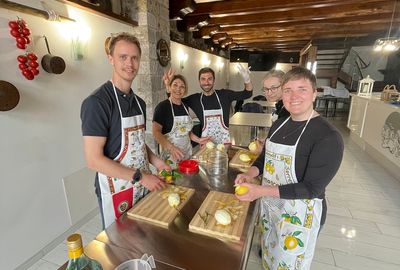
(100, 10)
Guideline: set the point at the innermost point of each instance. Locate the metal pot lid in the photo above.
(9, 96)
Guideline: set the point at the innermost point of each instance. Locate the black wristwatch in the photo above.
(136, 176)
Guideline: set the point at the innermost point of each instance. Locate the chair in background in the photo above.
(252, 107)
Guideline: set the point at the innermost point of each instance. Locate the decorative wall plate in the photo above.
(163, 52)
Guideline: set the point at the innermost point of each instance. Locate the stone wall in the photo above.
(153, 20)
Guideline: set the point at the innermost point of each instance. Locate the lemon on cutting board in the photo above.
(174, 199)
(244, 157)
(222, 217)
(253, 146)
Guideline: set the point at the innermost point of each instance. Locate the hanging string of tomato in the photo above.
(27, 62)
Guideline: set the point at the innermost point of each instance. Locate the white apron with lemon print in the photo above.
(289, 227)
(179, 136)
(214, 125)
(118, 195)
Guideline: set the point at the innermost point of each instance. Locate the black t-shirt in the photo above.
(101, 117)
(318, 157)
(226, 97)
(281, 110)
(163, 114)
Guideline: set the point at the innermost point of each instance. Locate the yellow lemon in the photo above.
(241, 190)
(174, 200)
(221, 147)
(169, 179)
(253, 146)
(210, 145)
(244, 158)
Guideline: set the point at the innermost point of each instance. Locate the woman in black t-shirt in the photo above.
(172, 124)
(301, 156)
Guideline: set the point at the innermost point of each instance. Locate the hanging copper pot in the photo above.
(9, 96)
(51, 63)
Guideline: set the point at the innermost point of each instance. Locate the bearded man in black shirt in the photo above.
(212, 106)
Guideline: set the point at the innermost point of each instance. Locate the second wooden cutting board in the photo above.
(216, 200)
(154, 208)
(241, 165)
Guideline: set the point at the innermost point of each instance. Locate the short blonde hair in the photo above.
(123, 36)
(274, 73)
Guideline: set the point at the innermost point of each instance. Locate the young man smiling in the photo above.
(212, 106)
(113, 128)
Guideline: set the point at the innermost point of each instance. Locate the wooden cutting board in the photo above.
(155, 209)
(241, 165)
(232, 231)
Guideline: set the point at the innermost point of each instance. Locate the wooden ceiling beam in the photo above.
(343, 11)
(371, 18)
(373, 26)
(237, 7)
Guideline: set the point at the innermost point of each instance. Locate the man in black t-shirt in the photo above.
(113, 128)
(212, 107)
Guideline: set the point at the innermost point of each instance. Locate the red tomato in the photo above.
(21, 46)
(26, 31)
(22, 23)
(22, 66)
(13, 25)
(15, 33)
(32, 56)
(33, 64)
(27, 73)
(29, 77)
(21, 40)
(35, 71)
(22, 58)
(27, 40)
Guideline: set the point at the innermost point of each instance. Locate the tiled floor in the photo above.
(363, 224)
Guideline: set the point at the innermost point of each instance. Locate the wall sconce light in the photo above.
(220, 65)
(205, 61)
(182, 58)
(312, 66)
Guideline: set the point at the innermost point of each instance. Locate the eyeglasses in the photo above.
(272, 89)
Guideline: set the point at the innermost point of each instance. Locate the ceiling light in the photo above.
(388, 44)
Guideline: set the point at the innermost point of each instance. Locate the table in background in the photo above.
(255, 121)
(268, 106)
(330, 102)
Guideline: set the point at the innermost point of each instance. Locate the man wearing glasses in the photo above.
(273, 92)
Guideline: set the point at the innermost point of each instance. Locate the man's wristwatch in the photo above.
(136, 176)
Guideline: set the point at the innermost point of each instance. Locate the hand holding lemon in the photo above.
(241, 190)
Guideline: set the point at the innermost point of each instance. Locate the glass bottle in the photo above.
(77, 259)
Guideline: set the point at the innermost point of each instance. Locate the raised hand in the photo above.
(167, 77)
(245, 72)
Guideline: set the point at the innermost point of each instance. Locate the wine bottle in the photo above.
(77, 258)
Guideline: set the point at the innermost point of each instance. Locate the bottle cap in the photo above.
(74, 241)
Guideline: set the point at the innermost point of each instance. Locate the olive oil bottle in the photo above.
(77, 258)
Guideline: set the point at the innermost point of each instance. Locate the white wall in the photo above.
(40, 139)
